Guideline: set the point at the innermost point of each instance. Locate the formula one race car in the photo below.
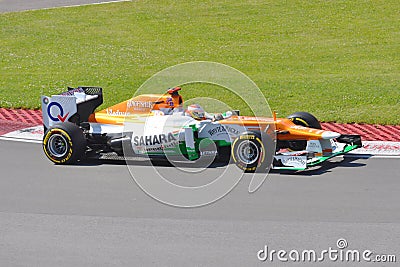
(156, 125)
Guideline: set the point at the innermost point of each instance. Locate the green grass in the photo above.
(337, 59)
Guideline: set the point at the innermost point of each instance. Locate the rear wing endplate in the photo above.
(74, 105)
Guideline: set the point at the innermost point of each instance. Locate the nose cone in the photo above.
(330, 135)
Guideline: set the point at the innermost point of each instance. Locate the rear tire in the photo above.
(253, 151)
(303, 119)
(64, 143)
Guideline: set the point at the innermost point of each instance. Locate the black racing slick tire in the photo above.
(64, 143)
(253, 151)
(303, 119)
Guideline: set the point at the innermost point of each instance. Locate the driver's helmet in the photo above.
(196, 112)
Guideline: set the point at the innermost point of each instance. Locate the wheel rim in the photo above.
(248, 152)
(57, 145)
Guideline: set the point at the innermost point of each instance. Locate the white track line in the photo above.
(373, 149)
(77, 5)
(360, 156)
(99, 3)
(367, 156)
(20, 140)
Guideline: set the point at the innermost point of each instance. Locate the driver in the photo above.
(197, 112)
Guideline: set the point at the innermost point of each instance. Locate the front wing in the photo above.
(303, 160)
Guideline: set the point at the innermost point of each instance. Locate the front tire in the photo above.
(303, 119)
(253, 151)
(64, 143)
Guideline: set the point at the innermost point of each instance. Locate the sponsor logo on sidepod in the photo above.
(150, 140)
(223, 129)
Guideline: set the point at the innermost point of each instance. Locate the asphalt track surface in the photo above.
(94, 214)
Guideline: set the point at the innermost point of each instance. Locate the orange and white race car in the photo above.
(157, 125)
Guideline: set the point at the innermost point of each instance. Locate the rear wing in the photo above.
(74, 105)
